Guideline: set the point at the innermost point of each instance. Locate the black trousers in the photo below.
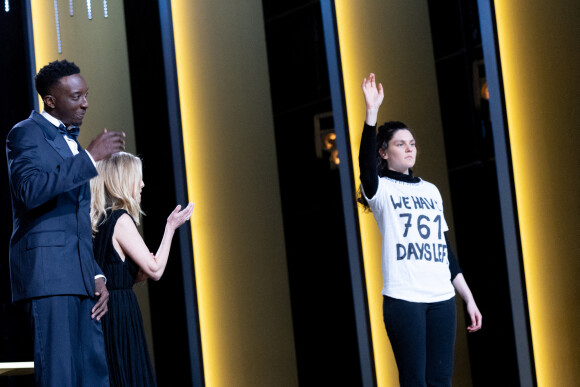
(422, 336)
(69, 349)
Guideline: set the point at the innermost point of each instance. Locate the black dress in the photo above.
(125, 343)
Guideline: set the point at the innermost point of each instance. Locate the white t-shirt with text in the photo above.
(415, 262)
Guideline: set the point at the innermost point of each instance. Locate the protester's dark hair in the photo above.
(384, 134)
(49, 75)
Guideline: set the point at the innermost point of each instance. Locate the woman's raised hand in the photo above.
(373, 98)
(373, 93)
(179, 216)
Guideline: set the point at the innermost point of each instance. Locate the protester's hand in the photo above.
(177, 217)
(374, 96)
(475, 316)
(373, 93)
(106, 144)
(102, 295)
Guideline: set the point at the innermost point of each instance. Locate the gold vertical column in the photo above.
(228, 135)
(540, 52)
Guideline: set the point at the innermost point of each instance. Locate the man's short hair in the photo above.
(49, 75)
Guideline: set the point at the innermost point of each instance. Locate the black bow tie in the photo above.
(72, 131)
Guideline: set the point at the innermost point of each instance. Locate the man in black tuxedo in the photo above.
(52, 268)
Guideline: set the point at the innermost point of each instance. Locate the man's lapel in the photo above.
(52, 135)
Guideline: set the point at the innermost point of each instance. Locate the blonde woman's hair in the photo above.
(115, 186)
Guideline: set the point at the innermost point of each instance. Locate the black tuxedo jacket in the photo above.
(51, 248)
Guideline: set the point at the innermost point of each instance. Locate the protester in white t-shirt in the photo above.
(419, 270)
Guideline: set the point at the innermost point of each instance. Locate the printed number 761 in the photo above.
(422, 225)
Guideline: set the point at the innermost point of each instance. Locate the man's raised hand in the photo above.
(106, 144)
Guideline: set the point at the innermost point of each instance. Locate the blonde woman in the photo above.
(125, 259)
